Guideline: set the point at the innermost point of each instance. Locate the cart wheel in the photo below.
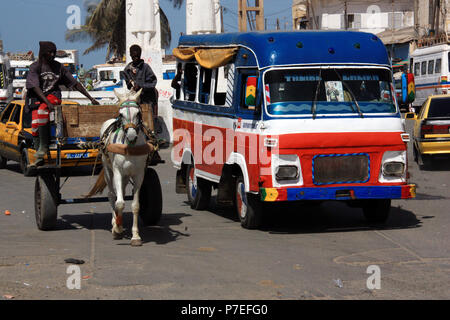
(150, 198)
(3, 161)
(45, 204)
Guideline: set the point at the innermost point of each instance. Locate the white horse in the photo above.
(119, 169)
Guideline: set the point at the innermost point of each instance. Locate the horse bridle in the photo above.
(129, 123)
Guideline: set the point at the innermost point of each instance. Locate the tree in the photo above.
(105, 26)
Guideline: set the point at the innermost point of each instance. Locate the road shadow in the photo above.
(330, 216)
(78, 171)
(161, 233)
(424, 196)
(437, 164)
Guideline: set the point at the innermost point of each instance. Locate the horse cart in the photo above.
(80, 124)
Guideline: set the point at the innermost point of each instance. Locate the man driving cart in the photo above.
(43, 92)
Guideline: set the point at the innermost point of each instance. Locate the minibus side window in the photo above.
(219, 86)
(430, 66)
(190, 81)
(205, 85)
(417, 69)
(437, 67)
(424, 68)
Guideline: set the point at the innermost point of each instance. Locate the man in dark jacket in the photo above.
(138, 74)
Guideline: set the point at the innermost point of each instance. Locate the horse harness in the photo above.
(118, 125)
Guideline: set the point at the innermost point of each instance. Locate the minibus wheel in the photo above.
(248, 206)
(198, 190)
(377, 210)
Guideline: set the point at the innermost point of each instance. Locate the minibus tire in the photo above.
(200, 195)
(251, 218)
(377, 210)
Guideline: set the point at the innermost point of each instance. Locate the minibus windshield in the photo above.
(328, 91)
(21, 73)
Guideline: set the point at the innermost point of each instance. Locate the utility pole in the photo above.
(345, 16)
(245, 15)
(314, 15)
(438, 13)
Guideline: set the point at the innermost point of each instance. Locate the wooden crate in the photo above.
(84, 121)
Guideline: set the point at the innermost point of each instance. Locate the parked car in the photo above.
(431, 137)
(16, 141)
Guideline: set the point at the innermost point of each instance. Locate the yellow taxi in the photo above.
(16, 141)
(431, 136)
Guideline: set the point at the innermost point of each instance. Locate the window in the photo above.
(26, 120)
(439, 108)
(351, 21)
(106, 75)
(16, 114)
(220, 85)
(205, 85)
(417, 69)
(437, 67)
(422, 109)
(21, 73)
(430, 66)
(7, 113)
(190, 81)
(424, 68)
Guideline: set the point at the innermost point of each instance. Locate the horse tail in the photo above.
(99, 185)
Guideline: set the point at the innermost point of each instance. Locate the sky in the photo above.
(26, 22)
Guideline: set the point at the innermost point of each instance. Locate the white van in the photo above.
(108, 76)
(20, 65)
(431, 69)
(6, 87)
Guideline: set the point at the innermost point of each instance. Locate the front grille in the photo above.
(341, 168)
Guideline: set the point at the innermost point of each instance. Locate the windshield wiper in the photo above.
(313, 107)
(351, 93)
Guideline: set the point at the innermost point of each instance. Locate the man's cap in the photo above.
(46, 46)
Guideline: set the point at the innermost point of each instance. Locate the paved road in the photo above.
(307, 253)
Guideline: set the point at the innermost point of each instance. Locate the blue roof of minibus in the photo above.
(300, 47)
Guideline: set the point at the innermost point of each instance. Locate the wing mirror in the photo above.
(250, 92)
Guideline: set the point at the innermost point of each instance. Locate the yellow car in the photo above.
(16, 141)
(431, 137)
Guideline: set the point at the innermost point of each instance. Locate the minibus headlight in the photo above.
(286, 173)
(393, 168)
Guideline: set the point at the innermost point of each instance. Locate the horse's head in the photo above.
(130, 117)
